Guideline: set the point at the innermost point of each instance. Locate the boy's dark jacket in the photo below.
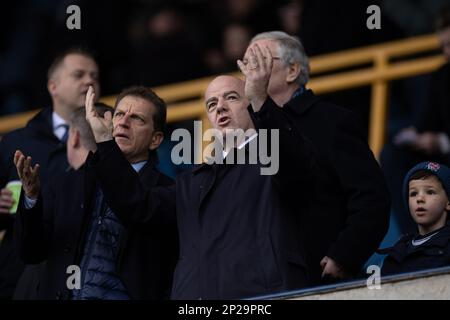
(404, 257)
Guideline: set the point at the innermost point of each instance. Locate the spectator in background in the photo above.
(230, 23)
(327, 26)
(252, 13)
(413, 16)
(428, 137)
(235, 38)
(290, 16)
(164, 49)
(44, 137)
(433, 126)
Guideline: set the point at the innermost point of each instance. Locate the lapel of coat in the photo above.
(148, 174)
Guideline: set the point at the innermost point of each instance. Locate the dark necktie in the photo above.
(66, 133)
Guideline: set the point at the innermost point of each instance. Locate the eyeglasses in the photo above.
(245, 61)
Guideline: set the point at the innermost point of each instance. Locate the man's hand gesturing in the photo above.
(101, 127)
(28, 175)
(257, 71)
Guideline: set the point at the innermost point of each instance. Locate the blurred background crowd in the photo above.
(154, 42)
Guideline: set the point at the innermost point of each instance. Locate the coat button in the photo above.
(58, 295)
(67, 249)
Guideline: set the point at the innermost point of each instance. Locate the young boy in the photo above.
(426, 189)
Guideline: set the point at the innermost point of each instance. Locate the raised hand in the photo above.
(28, 175)
(257, 71)
(101, 127)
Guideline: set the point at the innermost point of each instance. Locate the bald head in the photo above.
(226, 104)
(225, 81)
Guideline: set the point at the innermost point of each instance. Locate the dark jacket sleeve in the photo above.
(296, 155)
(132, 202)
(33, 229)
(364, 187)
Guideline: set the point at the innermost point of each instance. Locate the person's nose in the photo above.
(420, 197)
(221, 106)
(124, 121)
(90, 80)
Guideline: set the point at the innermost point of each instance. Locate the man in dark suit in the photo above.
(75, 225)
(44, 137)
(349, 213)
(237, 239)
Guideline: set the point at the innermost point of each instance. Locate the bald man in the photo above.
(237, 240)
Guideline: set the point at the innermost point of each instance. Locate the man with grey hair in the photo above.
(349, 213)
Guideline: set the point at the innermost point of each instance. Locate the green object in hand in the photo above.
(15, 187)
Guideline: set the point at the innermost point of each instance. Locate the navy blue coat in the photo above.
(55, 229)
(238, 235)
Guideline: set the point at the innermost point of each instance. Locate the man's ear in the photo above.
(51, 86)
(157, 139)
(293, 72)
(447, 207)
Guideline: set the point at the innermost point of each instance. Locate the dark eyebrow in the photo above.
(224, 94)
(134, 113)
(210, 99)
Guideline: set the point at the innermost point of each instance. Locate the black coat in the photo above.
(37, 140)
(238, 237)
(404, 257)
(349, 213)
(55, 231)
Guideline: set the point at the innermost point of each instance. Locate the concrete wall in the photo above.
(423, 285)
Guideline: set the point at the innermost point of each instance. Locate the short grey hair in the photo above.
(291, 51)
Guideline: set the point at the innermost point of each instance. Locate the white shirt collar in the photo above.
(419, 242)
(58, 125)
(138, 165)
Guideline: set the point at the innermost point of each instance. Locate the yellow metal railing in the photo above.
(370, 65)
